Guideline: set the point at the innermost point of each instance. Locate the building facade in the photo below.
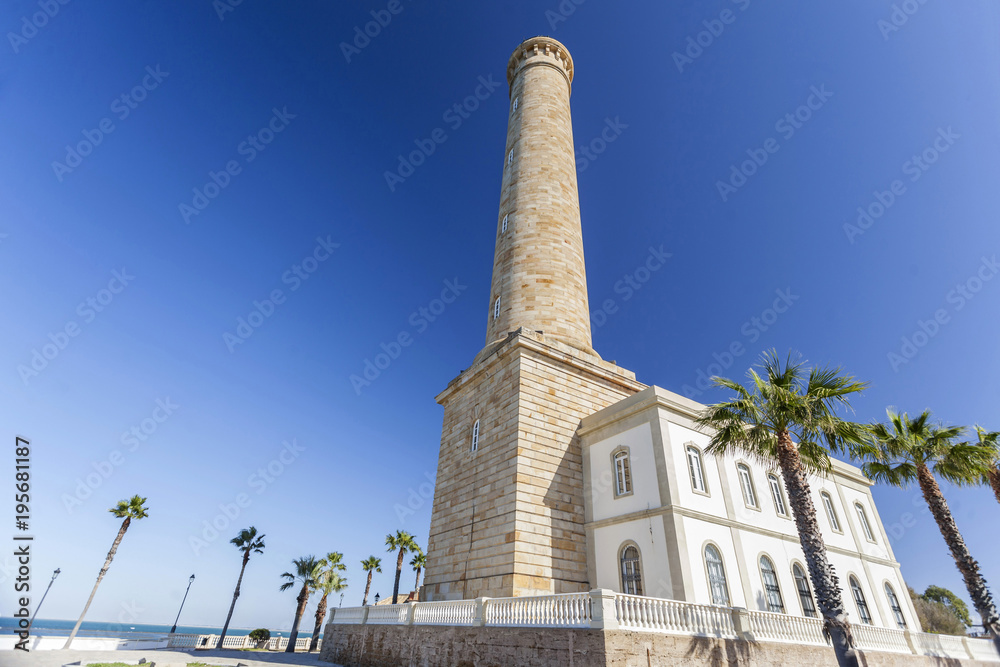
(559, 472)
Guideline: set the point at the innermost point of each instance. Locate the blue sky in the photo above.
(278, 139)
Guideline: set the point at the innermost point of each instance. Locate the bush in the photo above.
(260, 635)
(936, 616)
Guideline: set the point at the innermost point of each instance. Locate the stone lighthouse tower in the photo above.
(508, 516)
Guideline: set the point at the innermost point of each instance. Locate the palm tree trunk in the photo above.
(236, 594)
(300, 609)
(416, 584)
(100, 575)
(364, 603)
(399, 571)
(994, 475)
(824, 578)
(320, 613)
(967, 565)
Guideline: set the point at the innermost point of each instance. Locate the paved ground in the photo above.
(162, 658)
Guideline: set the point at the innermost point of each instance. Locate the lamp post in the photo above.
(376, 598)
(32, 621)
(190, 581)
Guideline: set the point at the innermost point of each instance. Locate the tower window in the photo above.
(515, 103)
(510, 157)
(503, 227)
(623, 473)
(831, 512)
(475, 437)
(631, 573)
(746, 483)
(805, 595)
(496, 308)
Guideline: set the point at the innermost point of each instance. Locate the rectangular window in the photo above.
(746, 482)
(779, 498)
(863, 518)
(623, 474)
(831, 513)
(694, 466)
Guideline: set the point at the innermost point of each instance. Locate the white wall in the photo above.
(649, 537)
(645, 489)
(698, 533)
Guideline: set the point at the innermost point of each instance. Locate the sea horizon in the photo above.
(9, 626)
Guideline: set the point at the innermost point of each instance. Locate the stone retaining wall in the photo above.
(445, 646)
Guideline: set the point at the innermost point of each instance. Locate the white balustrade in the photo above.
(449, 612)
(983, 649)
(874, 638)
(351, 615)
(658, 615)
(566, 610)
(774, 627)
(235, 642)
(387, 614)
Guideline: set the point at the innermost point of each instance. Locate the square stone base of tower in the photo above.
(508, 515)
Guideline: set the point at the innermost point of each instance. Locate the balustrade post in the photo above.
(968, 648)
(602, 609)
(479, 620)
(410, 611)
(911, 641)
(741, 622)
(364, 615)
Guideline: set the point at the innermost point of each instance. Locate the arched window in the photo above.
(475, 437)
(496, 308)
(831, 513)
(694, 467)
(746, 483)
(865, 526)
(772, 592)
(510, 158)
(778, 495)
(515, 103)
(859, 599)
(503, 227)
(716, 576)
(897, 611)
(805, 595)
(623, 474)
(631, 574)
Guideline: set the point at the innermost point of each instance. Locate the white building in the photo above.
(665, 519)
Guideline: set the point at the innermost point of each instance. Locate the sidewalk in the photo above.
(162, 658)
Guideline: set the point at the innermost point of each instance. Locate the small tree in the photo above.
(404, 542)
(418, 563)
(308, 571)
(260, 636)
(936, 617)
(247, 541)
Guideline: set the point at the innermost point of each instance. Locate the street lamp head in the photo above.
(191, 578)
(55, 574)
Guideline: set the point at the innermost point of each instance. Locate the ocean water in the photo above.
(8, 626)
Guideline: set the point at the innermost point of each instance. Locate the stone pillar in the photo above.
(911, 642)
(411, 609)
(968, 649)
(539, 275)
(741, 621)
(602, 609)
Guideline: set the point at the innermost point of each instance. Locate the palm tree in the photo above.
(418, 562)
(405, 542)
(788, 403)
(308, 570)
(991, 476)
(133, 508)
(330, 582)
(914, 449)
(247, 541)
(369, 565)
